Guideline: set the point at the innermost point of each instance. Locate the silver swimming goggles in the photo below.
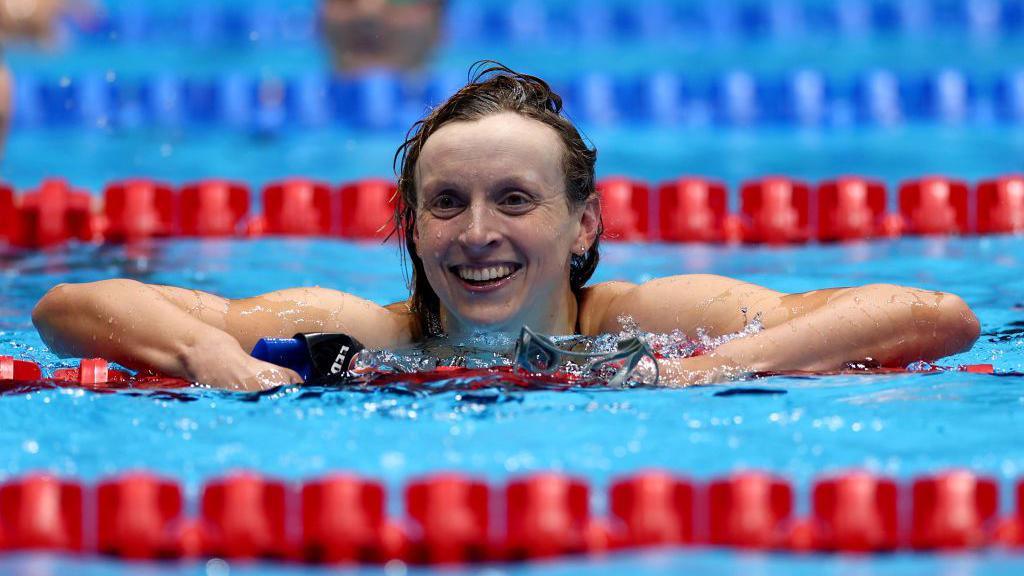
(537, 354)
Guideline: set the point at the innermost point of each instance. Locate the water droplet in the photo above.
(217, 567)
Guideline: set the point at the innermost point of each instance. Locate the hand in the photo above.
(264, 376)
(248, 375)
(225, 365)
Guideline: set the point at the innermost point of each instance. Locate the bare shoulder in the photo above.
(595, 302)
(684, 302)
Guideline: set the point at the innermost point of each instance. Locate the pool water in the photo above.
(900, 425)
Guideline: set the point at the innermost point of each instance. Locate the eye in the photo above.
(517, 201)
(445, 204)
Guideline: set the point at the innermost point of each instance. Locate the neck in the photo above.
(558, 319)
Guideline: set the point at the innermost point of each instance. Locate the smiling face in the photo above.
(494, 227)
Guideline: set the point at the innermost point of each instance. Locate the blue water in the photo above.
(901, 425)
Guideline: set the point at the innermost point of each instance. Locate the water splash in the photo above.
(492, 349)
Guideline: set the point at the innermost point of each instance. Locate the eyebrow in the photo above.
(510, 181)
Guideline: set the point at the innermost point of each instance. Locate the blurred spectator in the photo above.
(31, 20)
(28, 19)
(397, 34)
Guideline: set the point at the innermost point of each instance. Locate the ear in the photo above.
(590, 222)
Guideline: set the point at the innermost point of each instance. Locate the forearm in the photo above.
(124, 321)
(888, 325)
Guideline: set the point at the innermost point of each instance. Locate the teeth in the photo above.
(484, 274)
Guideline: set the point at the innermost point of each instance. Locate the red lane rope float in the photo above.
(1001, 205)
(773, 210)
(138, 209)
(298, 207)
(855, 512)
(243, 516)
(625, 209)
(548, 515)
(653, 509)
(367, 209)
(213, 208)
(451, 518)
(850, 207)
(53, 214)
(749, 510)
(934, 205)
(140, 516)
(11, 369)
(953, 511)
(41, 512)
(361, 534)
(95, 374)
(6, 212)
(694, 210)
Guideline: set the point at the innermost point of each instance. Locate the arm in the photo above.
(819, 330)
(195, 335)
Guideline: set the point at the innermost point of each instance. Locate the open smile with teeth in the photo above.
(485, 274)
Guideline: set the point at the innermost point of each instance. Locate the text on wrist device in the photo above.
(312, 356)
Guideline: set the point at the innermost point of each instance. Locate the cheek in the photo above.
(429, 235)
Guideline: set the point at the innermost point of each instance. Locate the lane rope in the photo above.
(775, 210)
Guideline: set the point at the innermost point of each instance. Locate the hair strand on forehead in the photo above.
(492, 89)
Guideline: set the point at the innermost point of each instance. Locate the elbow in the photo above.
(50, 309)
(62, 311)
(931, 325)
(958, 325)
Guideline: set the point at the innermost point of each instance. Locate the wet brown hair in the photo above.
(492, 89)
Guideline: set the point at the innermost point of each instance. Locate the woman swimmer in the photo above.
(502, 224)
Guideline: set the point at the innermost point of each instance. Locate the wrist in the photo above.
(199, 348)
(705, 369)
(742, 355)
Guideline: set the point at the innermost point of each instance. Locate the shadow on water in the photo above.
(1013, 331)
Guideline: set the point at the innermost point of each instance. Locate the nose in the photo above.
(481, 229)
